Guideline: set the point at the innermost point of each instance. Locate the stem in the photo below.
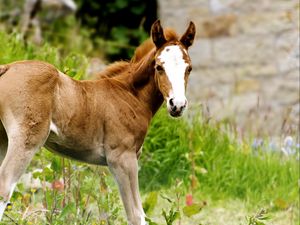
(12, 220)
(64, 181)
(192, 159)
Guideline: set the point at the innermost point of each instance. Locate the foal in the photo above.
(101, 122)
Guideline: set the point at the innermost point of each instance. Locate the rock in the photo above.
(245, 59)
(218, 26)
(247, 85)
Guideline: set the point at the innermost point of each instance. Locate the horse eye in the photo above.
(159, 68)
(189, 69)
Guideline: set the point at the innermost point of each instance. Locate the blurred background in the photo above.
(233, 155)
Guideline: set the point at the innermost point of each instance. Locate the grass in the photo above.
(228, 180)
(12, 48)
(222, 166)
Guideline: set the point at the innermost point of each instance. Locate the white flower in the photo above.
(288, 147)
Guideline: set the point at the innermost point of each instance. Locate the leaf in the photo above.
(56, 164)
(138, 10)
(171, 217)
(150, 202)
(68, 209)
(150, 222)
(37, 175)
(259, 218)
(48, 174)
(192, 209)
(166, 198)
(260, 223)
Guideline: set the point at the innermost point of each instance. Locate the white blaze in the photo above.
(172, 61)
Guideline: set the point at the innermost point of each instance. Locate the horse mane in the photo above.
(113, 69)
(120, 67)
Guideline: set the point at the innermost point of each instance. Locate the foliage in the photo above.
(171, 216)
(77, 193)
(174, 210)
(110, 29)
(12, 48)
(165, 152)
(121, 24)
(259, 218)
(222, 166)
(67, 35)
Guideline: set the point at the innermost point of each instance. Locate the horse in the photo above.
(102, 121)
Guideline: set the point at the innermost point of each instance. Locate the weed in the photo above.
(259, 218)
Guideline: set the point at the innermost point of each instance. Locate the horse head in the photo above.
(172, 66)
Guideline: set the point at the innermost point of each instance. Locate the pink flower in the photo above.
(58, 185)
(189, 199)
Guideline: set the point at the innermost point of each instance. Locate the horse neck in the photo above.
(142, 83)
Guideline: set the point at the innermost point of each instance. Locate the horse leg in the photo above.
(3, 142)
(124, 168)
(22, 145)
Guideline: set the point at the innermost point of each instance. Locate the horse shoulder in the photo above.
(126, 125)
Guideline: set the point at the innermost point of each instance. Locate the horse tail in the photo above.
(3, 69)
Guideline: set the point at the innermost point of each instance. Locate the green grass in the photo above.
(222, 166)
(180, 156)
(12, 48)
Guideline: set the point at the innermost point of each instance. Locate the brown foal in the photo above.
(102, 121)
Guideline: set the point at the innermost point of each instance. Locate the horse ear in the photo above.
(187, 38)
(157, 34)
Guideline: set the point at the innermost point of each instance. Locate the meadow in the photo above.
(193, 171)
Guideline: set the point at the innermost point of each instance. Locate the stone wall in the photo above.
(245, 60)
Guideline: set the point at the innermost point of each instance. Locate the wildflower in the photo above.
(288, 146)
(189, 199)
(74, 167)
(288, 141)
(257, 143)
(58, 185)
(272, 146)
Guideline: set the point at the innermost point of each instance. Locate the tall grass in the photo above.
(177, 149)
(12, 48)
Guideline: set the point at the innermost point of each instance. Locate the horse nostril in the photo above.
(171, 102)
(182, 107)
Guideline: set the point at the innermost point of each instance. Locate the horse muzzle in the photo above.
(176, 107)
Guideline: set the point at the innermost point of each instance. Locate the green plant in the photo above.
(221, 165)
(12, 48)
(259, 218)
(170, 216)
(165, 153)
(70, 191)
(117, 26)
